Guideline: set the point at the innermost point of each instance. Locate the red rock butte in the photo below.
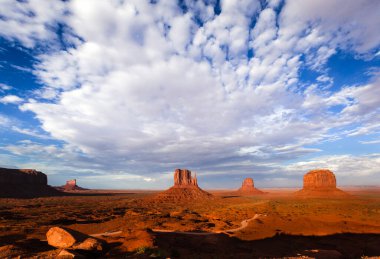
(24, 183)
(185, 188)
(248, 187)
(71, 185)
(320, 183)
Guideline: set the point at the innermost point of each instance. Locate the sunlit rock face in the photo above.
(184, 179)
(185, 189)
(319, 179)
(320, 183)
(248, 187)
(24, 183)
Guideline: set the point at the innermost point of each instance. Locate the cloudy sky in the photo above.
(117, 94)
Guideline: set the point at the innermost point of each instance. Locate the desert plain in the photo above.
(133, 224)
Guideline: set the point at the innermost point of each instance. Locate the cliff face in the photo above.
(319, 179)
(71, 185)
(185, 189)
(22, 176)
(24, 183)
(320, 183)
(183, 179)
(248, 187)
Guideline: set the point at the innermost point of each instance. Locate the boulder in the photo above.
(64, 237)
(90, 244)
(248, 187)
(66, 254)
(24, 183)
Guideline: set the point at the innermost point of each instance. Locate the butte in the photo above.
(71, 185)
(320, 183)
(185, 189)
(248, 188)
(25, 183)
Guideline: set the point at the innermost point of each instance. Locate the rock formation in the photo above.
(185, 188)
(71, 185)
(24, 183)
(66, 238)
(248, 188)
(320, 183)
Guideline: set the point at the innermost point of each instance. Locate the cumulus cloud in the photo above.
(147, 87)
(10, 99)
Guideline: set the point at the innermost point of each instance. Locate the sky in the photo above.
(117, 94)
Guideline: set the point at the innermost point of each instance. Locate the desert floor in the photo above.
(135, 226)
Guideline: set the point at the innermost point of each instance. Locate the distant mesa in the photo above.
(320, 183)
(248, 188)
(24, 183)
(71, 185)
(185, 188)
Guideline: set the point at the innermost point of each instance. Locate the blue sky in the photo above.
(117, 94)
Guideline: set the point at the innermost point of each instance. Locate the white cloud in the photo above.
(4, 87)
(146, 86)
(11, 99)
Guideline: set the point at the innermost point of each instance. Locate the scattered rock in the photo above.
(66, 254)
(11, 251)
(248, 188)
(185, 189)
(90, 244)
(320, 183)
(24, 183)
(64, 237)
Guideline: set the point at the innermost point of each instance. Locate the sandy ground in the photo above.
(339, 228)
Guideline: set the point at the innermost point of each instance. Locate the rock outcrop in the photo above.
(185, 189)
(24, 183)
(248, 188)
(320, 183)
(71, 185)
(66, 238)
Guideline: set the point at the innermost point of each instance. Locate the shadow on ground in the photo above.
(345, 245)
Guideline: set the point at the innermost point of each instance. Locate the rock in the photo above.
(71, 185)
(66, 254)
(64, 237)
(11, 251)
(183, 178)
(24, 183)
(320, 183)
(248, 187)
(90, 244)
(185, 189)
(22, 176)
(319, 179)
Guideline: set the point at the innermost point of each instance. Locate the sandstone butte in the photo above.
(71, 185)
(185, 188)
(24, 183)
(248, 188)
(320, 183)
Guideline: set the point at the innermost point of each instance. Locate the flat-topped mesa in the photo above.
(22, 176)
(320, 183)
(248, 187)
(319, 179)
(24, 183)
(183, 179)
